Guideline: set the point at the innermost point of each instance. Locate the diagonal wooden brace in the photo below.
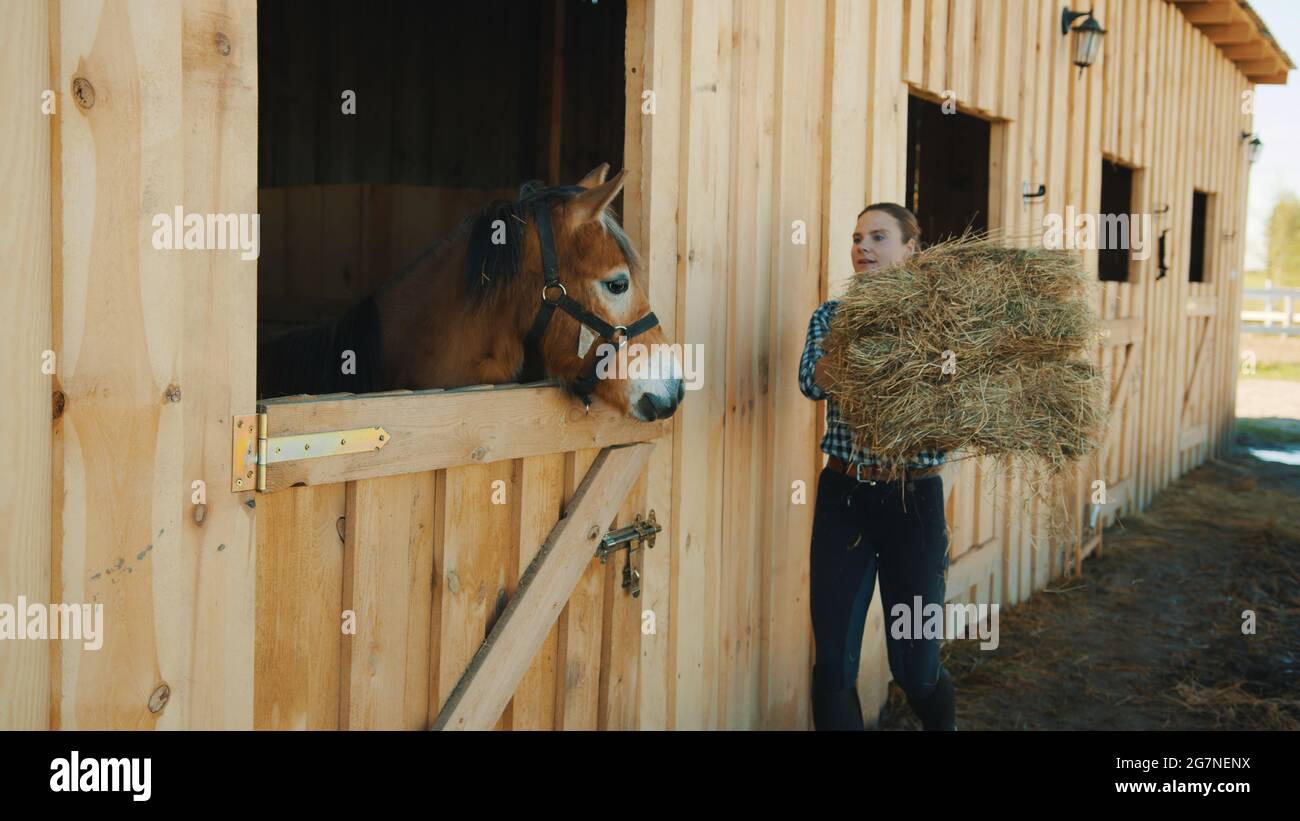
(490, 680)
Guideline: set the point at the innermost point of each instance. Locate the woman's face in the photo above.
(878, 242)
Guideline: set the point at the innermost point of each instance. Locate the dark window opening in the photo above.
(456, 105)
(947, 170)
(1116, 200)
(1200, 216)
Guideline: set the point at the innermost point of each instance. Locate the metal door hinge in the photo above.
(252, 449)
(633, 537)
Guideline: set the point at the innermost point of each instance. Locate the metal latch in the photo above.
(252, 450)
(633, 537)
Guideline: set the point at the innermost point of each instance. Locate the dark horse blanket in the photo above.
(312, 360)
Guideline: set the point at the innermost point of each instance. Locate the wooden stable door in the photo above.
(446, 576)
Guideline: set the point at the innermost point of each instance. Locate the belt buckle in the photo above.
(857, 470)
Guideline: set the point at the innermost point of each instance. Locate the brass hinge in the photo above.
(252, 449)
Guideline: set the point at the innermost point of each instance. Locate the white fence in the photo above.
(1277, 314)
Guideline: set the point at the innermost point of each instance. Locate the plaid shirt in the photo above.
(838, 440)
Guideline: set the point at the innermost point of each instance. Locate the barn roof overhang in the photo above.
(1236, 29)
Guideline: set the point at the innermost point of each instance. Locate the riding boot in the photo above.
(937, 711)
(835, 709)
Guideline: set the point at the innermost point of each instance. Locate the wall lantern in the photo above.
(1255, 143)
(1087, 36)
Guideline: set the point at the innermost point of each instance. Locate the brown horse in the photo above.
(461, 314)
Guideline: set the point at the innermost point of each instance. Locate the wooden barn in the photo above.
(359, 587)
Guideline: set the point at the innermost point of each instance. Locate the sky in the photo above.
(1277, 122)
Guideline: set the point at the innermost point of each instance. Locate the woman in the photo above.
(861, 526)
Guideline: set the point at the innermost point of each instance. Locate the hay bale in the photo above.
(1018, 322)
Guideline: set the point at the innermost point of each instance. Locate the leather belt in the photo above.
(871, 473)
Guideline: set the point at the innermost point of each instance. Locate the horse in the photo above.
(478, 307)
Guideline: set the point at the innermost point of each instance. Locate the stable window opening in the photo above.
(382, 127)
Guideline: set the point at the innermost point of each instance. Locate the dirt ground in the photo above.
(1150, 637)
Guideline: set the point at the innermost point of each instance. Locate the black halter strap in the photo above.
(586, 381)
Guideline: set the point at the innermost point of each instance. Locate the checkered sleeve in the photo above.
(818, 327)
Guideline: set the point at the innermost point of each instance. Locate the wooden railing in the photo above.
(1273, 321)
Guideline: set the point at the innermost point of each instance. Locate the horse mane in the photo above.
(491, 267)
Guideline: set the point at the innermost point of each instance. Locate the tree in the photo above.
(1283, 234)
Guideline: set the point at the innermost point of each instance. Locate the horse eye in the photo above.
(616, 286)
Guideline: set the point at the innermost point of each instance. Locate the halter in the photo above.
(586, 381)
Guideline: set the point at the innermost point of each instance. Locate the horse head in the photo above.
(579, 295)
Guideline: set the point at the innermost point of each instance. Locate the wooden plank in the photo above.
(986, 500)
(913, 40)
(1222, 12)
(299, 609)
(745, 447)
(887, 118)
(26, 281)
(973, 568)
(1202, 305)
(474, 556)
(134, 330)
(1197, 370)
(960, 34)
(936, 51)
(497, 668)
(438, 429)
(988, 57)
(657, 61)
(846, 163)
(1193, 437)
(1011, 81)
(387, 584)
(1122, 331)
(580, 626)
(1229, 34)
(108, 297)
(539, 488)
(697, 519)
(620, 644)
(797, 282)
(1118, 393)
(212, 649)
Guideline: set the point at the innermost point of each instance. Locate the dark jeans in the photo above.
(860, 528)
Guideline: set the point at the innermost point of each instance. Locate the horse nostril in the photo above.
(646, 408)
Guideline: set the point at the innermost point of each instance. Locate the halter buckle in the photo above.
(621, 332)
(563, 292)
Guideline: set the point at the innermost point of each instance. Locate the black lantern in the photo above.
(1256, 145)
(1087, 36)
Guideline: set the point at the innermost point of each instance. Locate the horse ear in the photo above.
(588, 206)
(595, 176)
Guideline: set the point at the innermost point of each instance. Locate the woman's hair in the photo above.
(906, 219)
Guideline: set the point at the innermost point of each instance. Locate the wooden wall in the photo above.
(155, 351)
(26, 245)
(765, 115)
(769, 113)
